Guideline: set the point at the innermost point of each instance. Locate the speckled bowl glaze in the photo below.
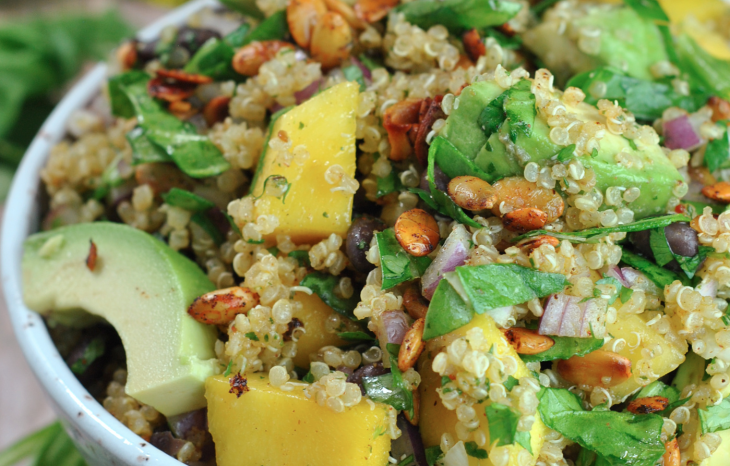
(102, 439)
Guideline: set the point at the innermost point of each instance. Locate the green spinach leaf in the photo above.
(398, 381)
(302, 257)
(663, 254)
(491, 286)
(717, 152)
(659, 275)
(704, 70)
(483, 288)
(397, 265)
(356, 336)
(382, 389)
(458, 15)
(565, 348)
(503, 422)
(620, 438)
(649, 9)
(143, 151)
(186, 200)
(647, 100)
(433, 454)
(214, 58)
(354, 73)
(194, 154)
(715, 418)
(592, 235)
(324, 286)
(446, 312)
(472, 449)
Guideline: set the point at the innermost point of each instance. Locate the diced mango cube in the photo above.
(633, 329)
(314, 315)
(267, 426)
(437, 419)
(325, 126)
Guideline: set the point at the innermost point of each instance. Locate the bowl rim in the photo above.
(20, 219)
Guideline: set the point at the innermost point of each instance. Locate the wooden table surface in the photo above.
(23, 405)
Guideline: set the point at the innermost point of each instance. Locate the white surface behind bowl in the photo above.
(101, 438)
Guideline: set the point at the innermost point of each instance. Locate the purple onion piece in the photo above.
(552, 317)
(680, 134)
(632, 275)
(572, 321)
(184, 423)
(615, 272)
(592, 319)
(452, 255)
(276, 107)
(567, 316)
(165, 442)
(708, 288)
(396, 326)
(308, 91)
(410, 443)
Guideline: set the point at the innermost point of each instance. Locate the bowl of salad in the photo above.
(374, 232)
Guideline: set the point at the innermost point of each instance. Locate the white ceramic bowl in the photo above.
(101, 438)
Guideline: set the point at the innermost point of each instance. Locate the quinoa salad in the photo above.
(403, 232)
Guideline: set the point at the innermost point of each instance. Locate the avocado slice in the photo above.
(465, 149)
(628, 42)
(143, 289)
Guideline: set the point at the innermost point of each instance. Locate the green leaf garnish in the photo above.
(397, 265)
(620, 438)
(193, 153)
(592, 235)
(323, 285)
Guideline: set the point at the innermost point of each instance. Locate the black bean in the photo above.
(440, 178)
(682, 239)
(146, 52)
(640, 240)
(358, 241)
(369, 370)
(194, 38)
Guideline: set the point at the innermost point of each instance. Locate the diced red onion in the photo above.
(615, 272)
(452, 255)
(276, 107)
(182, 424)
(567, 316)
(631, 275)
(365, 70)
(308, 91)
(396, 326)
(593, 319)
(572, 321)
(708, 288)
(552, 316)
(680, 134)
(164, 441)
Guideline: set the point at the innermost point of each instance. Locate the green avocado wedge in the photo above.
(143, 289)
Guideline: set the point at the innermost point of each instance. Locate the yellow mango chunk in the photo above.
(267, 426)
(325, 126)
(633, 328)
(314, 315)
(437, 419)
(702, 10)
(719, 458)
